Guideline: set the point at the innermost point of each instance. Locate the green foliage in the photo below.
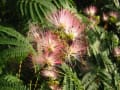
(64, 3)
(12, 79)
(117, 4)
(118, 27)
(95, 79)
(71, 81)
(13, 87)
(13, 45)
(44, 86)
(101, 45)
(35, 9)
(10, 82)
(9, 86)
(17, 46)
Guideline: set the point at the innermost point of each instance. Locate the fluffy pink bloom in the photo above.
(49, 59)
(77, 49)
(105, 17)
(51, 43)
(34, 36)
(54, 86)
(75, 32)
(50, 73)
(50, 49)
(52, 59)
(114, 14)
(34, 32)
(62, 18)
(91, 10)
(45, 41)
(116, 51)
(67, 20)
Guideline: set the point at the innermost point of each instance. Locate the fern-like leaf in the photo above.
(71, 81)
(17, 46)
(36, 9)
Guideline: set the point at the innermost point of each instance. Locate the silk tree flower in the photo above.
(105, 17)
(66, 20)
(34, 35)
(47, 41)
(77, 49)
(62, 18)
(54, 85)
(48, 59)
(50, 72)
(37, 59)
(52, 43)
(91, 10)
(34, 31)
(75, 32)
(116, 51)
(52, 49)
(113, 14)
(52, 59)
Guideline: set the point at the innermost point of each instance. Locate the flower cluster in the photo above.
(49, 48)
(73, 28)
(52, 49)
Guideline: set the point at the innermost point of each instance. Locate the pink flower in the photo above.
(50, 73)
(66, 20)
(116, 51)
(37, 59)
(50, 49)
(105, 17)
(34, 35)
(48, 59)
(54, 86)
(34, 32)
(75, 32)
(62, 18)
(91, 10)
(52, 43)
(77, 49)
(113, 14)
(52, 59)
